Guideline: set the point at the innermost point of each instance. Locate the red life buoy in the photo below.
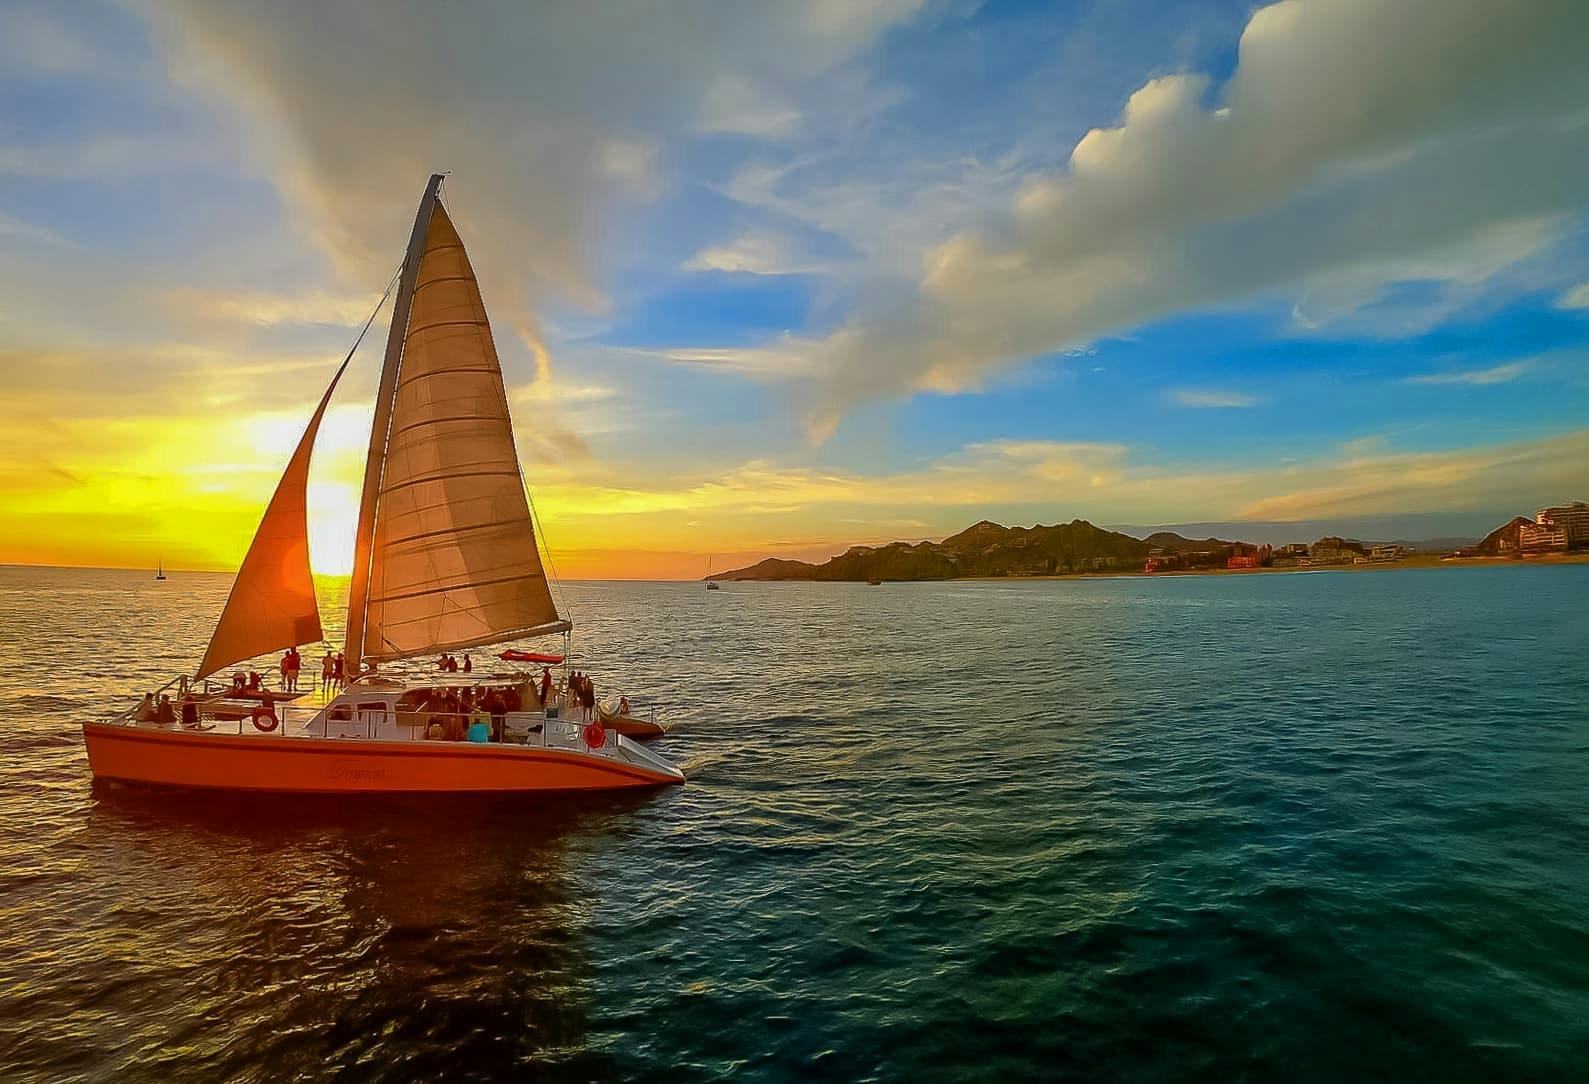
(264, 718)
(595, 735)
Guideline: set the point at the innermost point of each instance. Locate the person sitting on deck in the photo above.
(146, 711)
(165, 714)
(479, 724)
(190, 713)
(254, 681)
(239, 683)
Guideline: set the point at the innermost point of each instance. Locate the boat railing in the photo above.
(553, 728)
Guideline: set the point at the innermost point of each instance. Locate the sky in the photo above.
(771, 279)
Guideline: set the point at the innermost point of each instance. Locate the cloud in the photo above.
(1575, 298)
(783, 360)
(1498, 374)
(1207, 397)
(551, 118)
(270, 308)
(734, 105)
(26, 231)
(753, 253)
(1356, 140)
(1047, 481)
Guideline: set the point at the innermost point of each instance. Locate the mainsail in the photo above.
(446, 557)
(272, 604)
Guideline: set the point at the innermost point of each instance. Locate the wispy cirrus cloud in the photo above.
(1495, 374)
(1210, 398)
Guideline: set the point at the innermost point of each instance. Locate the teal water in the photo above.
(1316, 826)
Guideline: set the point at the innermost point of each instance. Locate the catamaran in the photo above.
(445, 559)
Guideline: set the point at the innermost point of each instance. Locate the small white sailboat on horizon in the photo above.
(159, 571)
(711, 584)
(446, 558)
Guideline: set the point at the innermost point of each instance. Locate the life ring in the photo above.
(595, 735)
(264, 719)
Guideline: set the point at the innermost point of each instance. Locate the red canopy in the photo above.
(513, 655)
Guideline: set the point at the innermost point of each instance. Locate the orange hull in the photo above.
(340, 766)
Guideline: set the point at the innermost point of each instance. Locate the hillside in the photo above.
(983, 549)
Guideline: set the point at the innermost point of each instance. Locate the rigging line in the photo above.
(374, 313)
(546, 546)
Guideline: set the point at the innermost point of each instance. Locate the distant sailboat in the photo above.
(711, 584)
(445, 559)
(159, 571)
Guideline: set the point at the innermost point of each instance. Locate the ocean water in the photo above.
(1312, 827)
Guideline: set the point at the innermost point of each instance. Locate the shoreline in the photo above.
(1418, 562)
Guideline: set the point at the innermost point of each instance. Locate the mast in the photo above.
(364, 539)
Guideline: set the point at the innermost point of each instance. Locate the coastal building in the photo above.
(1331, 549)
(1159, 561)
(1541, 538)
(1292, 549)
(1571, 518)
(1384, 553)
(1242, 560)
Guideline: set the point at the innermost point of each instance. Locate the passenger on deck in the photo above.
(327, 668)
(623, 706)
(294, 665)
(190, 713)
(587, 697)
(441, 663)
(339, 670)
(546, 684)
(239, 683)
(452, 664)
(146, 710)
(496, 706)
(468, 664)
(165, 713)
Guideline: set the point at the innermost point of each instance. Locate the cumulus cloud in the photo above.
(1354, 139)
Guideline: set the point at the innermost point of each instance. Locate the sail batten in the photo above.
(450, 545)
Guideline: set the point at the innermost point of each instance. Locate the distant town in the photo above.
(990, 549)
(1553, 530)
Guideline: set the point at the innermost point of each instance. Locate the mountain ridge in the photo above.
(987, 548)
